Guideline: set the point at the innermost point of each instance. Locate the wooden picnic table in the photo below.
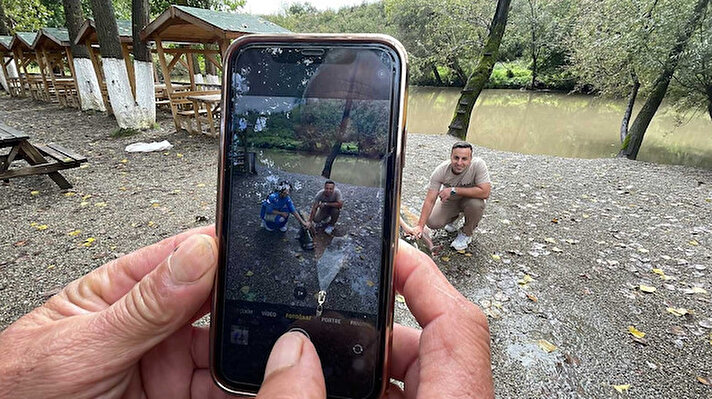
(211, 103)
(42, 159)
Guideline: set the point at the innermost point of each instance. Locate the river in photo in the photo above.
(560, 124)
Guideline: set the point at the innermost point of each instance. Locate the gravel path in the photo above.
(559, 257)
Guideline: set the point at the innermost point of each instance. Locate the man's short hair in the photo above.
(461, 144)
(329, 182)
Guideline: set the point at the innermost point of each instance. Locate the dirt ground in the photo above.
(564, 262)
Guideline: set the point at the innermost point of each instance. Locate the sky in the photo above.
(263, 7)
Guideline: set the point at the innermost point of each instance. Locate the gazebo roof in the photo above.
(198, 25)
(25, 39)
(88, 31)
(52, 38)
(5, 43)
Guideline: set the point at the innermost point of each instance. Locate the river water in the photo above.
(577, 126)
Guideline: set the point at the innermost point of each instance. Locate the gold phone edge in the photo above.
(399, 160)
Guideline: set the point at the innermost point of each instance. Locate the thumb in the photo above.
(165, 299)
(293, 370)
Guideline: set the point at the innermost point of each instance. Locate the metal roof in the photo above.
(190, 24)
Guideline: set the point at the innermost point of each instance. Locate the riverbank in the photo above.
(587, 233)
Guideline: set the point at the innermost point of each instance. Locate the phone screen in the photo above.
(307, 209)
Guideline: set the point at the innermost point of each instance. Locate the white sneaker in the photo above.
(283, 228)
(329, 229)
(265, 226)
(461, 242)
(450, 227)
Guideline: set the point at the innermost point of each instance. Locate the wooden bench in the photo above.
(184, 110)
(46, 159)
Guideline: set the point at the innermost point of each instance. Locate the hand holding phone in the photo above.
(423, 360)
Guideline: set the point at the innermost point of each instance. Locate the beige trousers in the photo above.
(325, 211)
(446, 212)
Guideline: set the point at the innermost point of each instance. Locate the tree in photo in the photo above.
(88, 84)
(476, 82)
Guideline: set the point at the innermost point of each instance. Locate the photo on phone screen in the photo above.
(307, 201)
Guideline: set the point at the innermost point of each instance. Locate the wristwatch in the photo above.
(453, 191)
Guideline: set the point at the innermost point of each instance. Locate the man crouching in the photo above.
(460, 185)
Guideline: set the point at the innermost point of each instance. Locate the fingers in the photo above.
(107, 284)
(427, 292)
(404, 351)
(164, 300)
(293, 370)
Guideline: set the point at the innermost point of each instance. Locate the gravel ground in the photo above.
(559, 257)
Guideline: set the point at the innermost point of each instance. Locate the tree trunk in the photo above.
(463, 110)
(143, 63)
(625, 123)
(709, 100)
(197, 74)
(128, 115)
(335, 150)
(532, 27)
(438, 79)
(4, 31)
(461, 77)
(211, 72)
(633, 141)
(87, 81)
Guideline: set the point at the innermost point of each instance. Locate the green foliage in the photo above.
(121, 132)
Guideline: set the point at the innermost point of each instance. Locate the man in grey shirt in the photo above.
(459, 185)
(327, 206)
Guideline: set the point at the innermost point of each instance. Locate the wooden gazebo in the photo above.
(6, 58)
(186, 26)
(54, 56)
(24, 55)
(88, 37)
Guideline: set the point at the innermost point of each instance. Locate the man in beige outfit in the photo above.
(460, 185)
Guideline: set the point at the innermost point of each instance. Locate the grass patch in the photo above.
(121, 132)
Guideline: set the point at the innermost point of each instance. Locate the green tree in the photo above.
(476, 82)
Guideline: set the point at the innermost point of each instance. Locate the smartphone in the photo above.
(311, 152)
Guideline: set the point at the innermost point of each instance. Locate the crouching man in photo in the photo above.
(327, 206)
(457, 186)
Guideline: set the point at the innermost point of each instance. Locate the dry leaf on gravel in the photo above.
(622, 388)
(635, 332)
(546, 346)
(646, 288)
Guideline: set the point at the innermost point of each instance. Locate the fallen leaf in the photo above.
(635, 332)
(74, 233)
(100, 204)
(506, 221)
(695, 290)
(122, 188)
(124, 160)
(84, 203)
(643, 250)
(41, 227)
(705, 381)
(200, 185)
(468, 254)
(20, 243)
(87, 243)
(556, 249)
(647, 288)
(545, 345)
(658, 272)
(370, 283)
(445, 258)
(50, 267)
(532, 298)
(69, 194)
(550, 240)
(462, 251)
(586, 216)
(245, 289)
(495, 257)
(34, 192)
(155, 204)
(400, 298)
(150, 223)
(86, 197)
(179, 155)
(555, 220)
(694, 243)
(622, 388)
(679, 312)
(525, 280)
(249, 273)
